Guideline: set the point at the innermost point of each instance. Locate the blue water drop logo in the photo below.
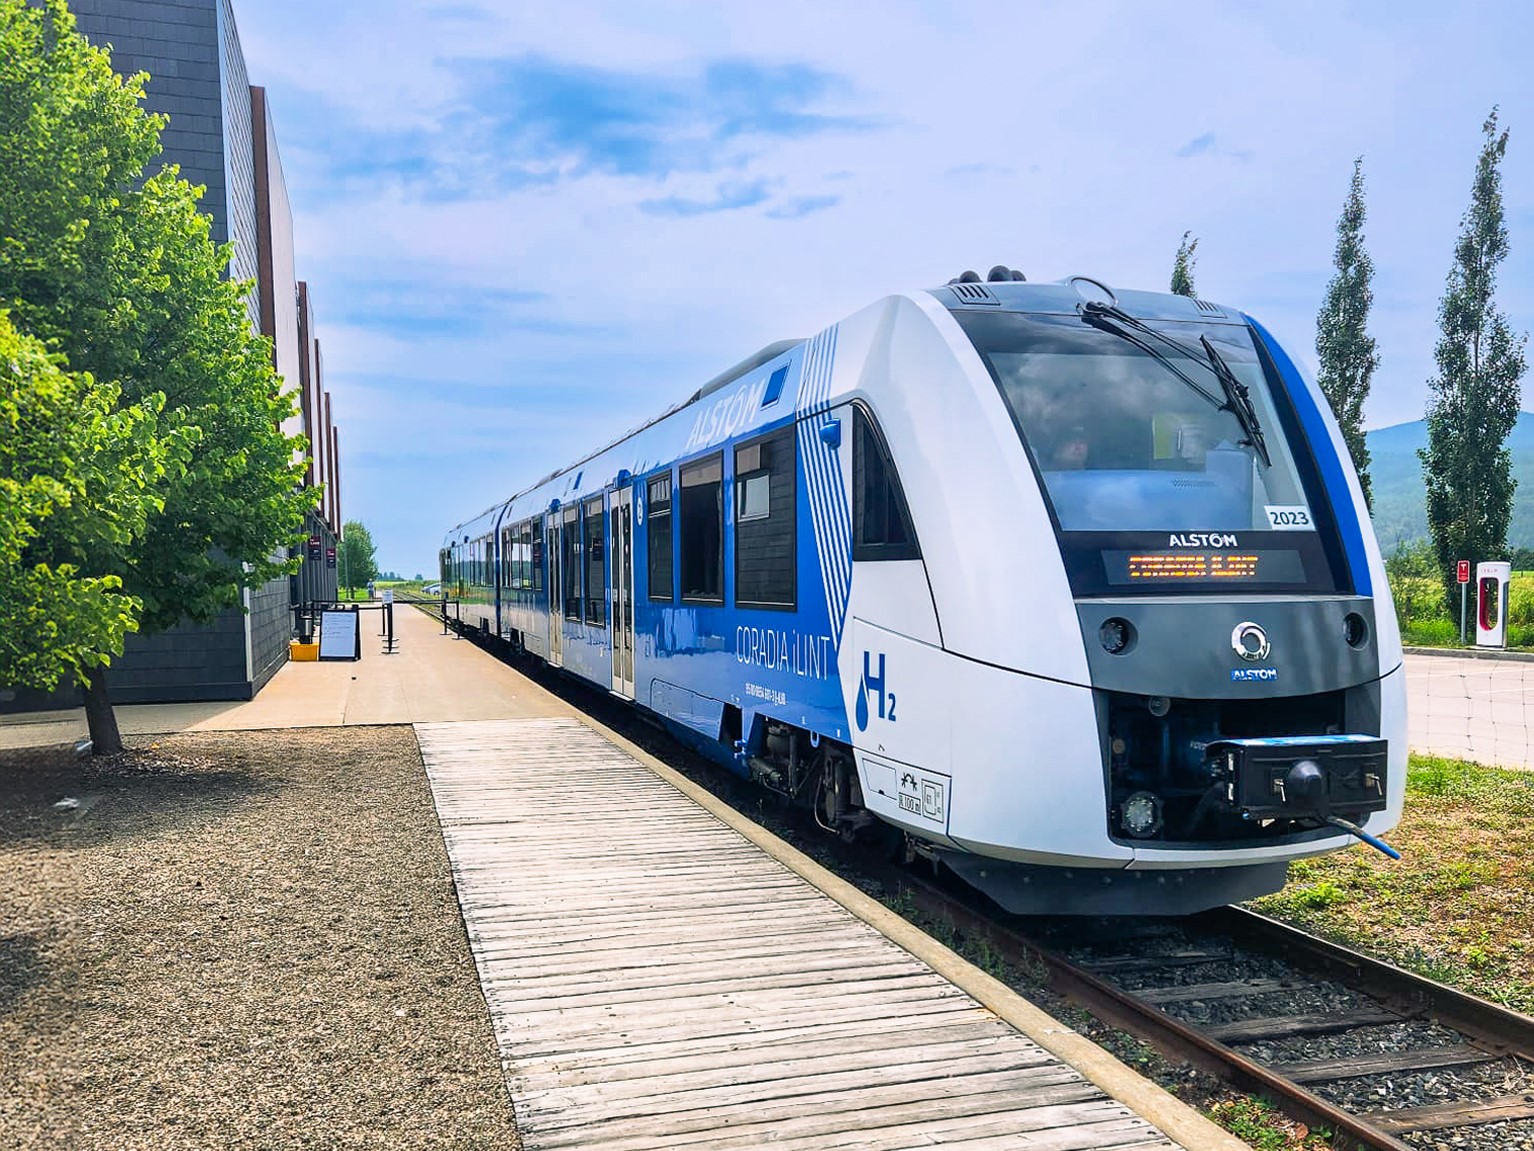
(862, 708)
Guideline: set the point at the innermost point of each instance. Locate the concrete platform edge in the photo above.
(1176, 1119)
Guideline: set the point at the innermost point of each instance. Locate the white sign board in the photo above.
(338, 635)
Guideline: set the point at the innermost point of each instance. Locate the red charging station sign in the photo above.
(1464, 571)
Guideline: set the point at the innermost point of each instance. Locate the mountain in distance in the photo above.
(1400, 496)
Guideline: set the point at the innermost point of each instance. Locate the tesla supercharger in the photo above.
(1491, 580)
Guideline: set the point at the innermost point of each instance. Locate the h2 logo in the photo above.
(874, 685)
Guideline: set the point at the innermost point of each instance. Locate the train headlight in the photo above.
(1355, 630)
(1140, 814)
(1116, 635)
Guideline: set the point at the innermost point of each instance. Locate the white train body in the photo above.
(1127, 646)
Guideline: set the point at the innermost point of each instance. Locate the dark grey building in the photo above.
(220, 133)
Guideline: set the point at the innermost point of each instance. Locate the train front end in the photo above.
(1232, 695)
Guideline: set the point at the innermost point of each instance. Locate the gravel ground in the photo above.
(1407, 1035)
(237, 940)
(1426, 1088)
(1517, 1136)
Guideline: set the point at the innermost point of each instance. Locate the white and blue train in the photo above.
(1073, 588)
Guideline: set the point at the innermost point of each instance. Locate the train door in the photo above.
(556, 606)
(621, 549)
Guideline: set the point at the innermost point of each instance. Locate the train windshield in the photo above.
(1136, 438)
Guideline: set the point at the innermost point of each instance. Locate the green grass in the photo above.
(1260, 1124)
(1459, 906)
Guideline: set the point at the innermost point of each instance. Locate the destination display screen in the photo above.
(1260, 566)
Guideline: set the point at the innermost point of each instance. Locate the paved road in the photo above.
(433, 678)
(1480, 709)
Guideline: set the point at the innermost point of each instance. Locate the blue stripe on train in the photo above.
(1334, 476)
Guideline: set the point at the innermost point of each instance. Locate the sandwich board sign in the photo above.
(338, 635)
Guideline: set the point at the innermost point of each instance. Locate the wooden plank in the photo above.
(655, 980)
(1195, 992)
(789, 998)
(699, 1072)
(641, 1059)
(629, 952)
(656, 992)
(577, 1107)
(832, 1115)
(1357, 1066)
(1476, 1113)
(1135, 965)
(1284, 1026)
(738, 1027)
(702, 974)
(1069, 1125)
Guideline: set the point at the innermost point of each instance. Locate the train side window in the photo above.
(881, 523)
(596, 565)
(569, 563)
(536, 531)
(658, 527)
(765, 560)
(508, 552)
(701, 522)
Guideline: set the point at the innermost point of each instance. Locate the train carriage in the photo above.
(1073, 589)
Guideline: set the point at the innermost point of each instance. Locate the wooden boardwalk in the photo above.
(656, 980)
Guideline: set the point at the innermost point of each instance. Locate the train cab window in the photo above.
(701, 521)
(881, 523)
(596, 565)
(569, 563)
(658, 527)
(764, 522)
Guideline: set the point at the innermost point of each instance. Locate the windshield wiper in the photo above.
(1237, 399)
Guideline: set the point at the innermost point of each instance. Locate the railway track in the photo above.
(1383, 1059)
(1336, 1040)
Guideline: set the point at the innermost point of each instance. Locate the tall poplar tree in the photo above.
(1343, 344)
(1182, 266)
(1475, 397)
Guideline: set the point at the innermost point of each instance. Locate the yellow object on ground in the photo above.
(303, 652)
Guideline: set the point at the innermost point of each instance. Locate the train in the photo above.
(1069, 589)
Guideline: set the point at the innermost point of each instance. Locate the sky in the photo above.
(527, 227)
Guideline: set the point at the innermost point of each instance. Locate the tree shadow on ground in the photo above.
(52, 797)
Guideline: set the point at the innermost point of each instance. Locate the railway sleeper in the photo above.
(1390, 1062)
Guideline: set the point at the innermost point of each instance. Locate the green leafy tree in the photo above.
(78, 480)
(1182, 266)
(1343, 344)
(1475, 394)
(359, 557)
(110, 263)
